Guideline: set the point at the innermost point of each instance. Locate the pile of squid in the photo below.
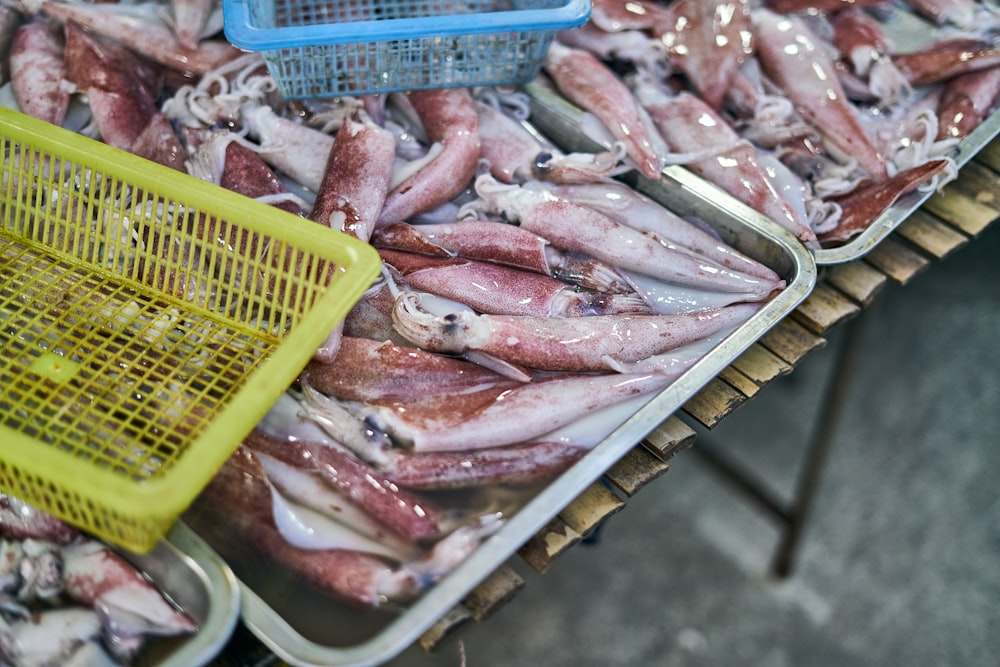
(529, 302)
(67, 599)
(803, 109)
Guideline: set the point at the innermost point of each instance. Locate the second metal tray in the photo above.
(560, 119)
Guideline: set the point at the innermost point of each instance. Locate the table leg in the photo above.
(793, 513)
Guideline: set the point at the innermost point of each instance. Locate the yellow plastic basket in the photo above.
(148, 320)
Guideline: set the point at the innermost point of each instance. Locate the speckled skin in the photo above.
(449, 118)
(37, 69)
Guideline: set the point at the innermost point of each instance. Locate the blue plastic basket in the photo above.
(332, 48)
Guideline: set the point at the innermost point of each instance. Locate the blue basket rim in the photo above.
(241, 33)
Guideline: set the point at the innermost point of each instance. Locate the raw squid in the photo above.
(449, 118)
(594, 343)
(588, 82)
(793, 57)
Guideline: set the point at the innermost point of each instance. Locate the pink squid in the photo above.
(460, 422)
(190, 18)
(356, 179)
(588, 82)
(525, 463)
(618, 15)
(824, 6)
(449, 118)
(628, 206)
(406, 514)
(289, 146)
(237, 509)
(515, 155)
(966, 100)
(23, 521)
(123, 107)
(708, 40)
(866, 202)
(225, 159)
(130, 607)
(500, 243)
(859, 38)
(157, 42)
(371, 370)
(967, 14)
(38, 68)
(572, 226)
(946, 58)
(499, 289)
(692, 126)
(795, 60)
(632, 46)
(595, 343)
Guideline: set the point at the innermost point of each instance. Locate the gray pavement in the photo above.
(900, 561)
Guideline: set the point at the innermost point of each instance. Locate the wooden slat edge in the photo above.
(931, 234)
(791, 341)
(716, 400)
(635, 470)
(493, 592)
(824, 308)
(445, 627)
(671, 436)
(589, 509)
(897, 260)
(859, 281)
(548, 544)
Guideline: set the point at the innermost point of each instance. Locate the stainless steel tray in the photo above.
(559, 119)
(192, 575)
(909, 32)
(302, 628)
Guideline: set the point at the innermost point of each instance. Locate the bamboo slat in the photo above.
(589, 509)
(824, 308)
(930, 234)
(970, 202)
(444, 628)
(761, 365)
(716, 400)
(990, 156)
(791, 341)
(857, 280)
(547, 544)
(498, 588)
(897, 260)
(635, 470)
(671, 436)
(738, 381)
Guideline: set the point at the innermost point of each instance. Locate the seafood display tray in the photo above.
(559, 119)
(908, 32)
(349, 636)
(189, 573)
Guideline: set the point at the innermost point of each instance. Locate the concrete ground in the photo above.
(900, 561)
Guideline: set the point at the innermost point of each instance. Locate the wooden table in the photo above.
(947, 221)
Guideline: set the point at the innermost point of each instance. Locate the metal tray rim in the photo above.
(223, 591)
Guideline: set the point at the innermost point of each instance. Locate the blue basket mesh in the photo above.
(331, 48)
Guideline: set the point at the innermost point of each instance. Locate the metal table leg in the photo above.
(794, 512)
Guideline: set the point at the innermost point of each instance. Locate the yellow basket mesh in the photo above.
(147, 321)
